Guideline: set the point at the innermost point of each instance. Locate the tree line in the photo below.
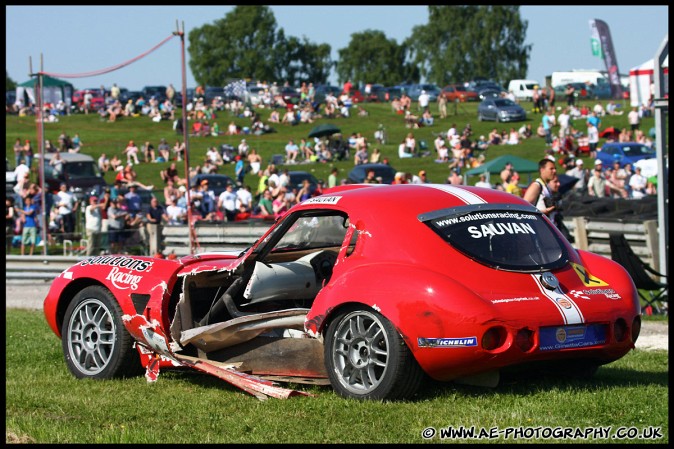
(458, 43)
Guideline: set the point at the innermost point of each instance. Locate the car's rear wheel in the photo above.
(95, 342)
(366, 358)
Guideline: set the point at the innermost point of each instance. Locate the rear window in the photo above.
(81, 169)
(502, 236)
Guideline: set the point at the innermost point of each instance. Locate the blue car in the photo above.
(500, 110)
(624, 152)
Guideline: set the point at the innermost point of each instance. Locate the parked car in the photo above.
(216, 182)
(97, 101)
(80, 174)
(297, 178)
(383, 171)
(488, 93)
(371, 288)
(432, 90)
(377, 93)
(624, 152)
(457, 92)
(500, 110)
(394, 92)
(290, 95)
(158, 92)
(322, 90)
(255, 94)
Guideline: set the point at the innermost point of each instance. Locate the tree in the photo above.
(241, 45)
(462, 42)
(372, 58)
(10, 84)
(247, 44)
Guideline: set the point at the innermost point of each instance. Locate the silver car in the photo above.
(500, 110)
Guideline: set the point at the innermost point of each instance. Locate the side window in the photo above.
(313, 232)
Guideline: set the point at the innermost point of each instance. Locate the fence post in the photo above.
(651, 231)
(580, 232)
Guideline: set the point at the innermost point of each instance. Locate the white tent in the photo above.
(641, 82)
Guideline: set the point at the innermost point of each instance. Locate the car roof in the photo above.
(69, 157)
(411, 200)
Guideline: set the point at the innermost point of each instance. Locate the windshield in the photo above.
(504, 102)
(503, 236)
(81, 169)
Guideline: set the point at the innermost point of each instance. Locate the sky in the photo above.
(86, 39)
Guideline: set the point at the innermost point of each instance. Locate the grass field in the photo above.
(46, 404)
(111, 138)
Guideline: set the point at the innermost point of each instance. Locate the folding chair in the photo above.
(657, 291)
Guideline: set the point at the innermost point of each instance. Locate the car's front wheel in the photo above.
(95, 342)
(366, 358)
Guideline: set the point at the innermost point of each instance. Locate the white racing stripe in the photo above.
(464, 195)
(566, 306)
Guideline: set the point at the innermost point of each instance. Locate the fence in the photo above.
(590, 234)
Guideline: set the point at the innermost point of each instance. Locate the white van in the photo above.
(522, 89)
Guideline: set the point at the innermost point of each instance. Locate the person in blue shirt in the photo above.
(29, 233)
(239, 170)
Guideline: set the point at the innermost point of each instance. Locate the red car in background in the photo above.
(454, 92)
(465, 282)
(97, 101)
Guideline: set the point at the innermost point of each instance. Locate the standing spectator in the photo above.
(442, 106)
(239, 170)
(244, 198)
(538, 191)
(243, 148)
(170, 93)
(57, 164)
(592, 138)
(564, 121)
(424, 100)
(227, 203)
(133, 201)
(176, 214)
(332, 178)
(281, 204)
(633, 119)
(93, 225)
(115, 91)
(596, 185)
(88, 97)
(131, 152)
(10, 223)
(18, 152)
(570, 93)
(547, 127)
(116, 224)
(579, 172)
(28, 153)
(29, 232)
(638, 183)
(66, 207)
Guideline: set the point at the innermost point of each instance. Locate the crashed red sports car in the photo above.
(368, 288)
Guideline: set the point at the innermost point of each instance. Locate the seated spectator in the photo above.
(274, 117)
(104, 163)
(403, 150)
(171, 173)
(148, 152)
(179, 150)
(131, 152)
(292, 150)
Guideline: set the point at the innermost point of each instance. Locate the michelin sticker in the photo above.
(462, 342)
(323, 200)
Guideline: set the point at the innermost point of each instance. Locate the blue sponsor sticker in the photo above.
(577, 336)
(459, 342)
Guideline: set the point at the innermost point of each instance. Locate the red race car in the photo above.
(367, 288)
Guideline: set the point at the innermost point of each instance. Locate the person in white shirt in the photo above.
(638, 184)
(564, 121)
(244, 198)
(483, 182)
(424, 99)
(227, 203)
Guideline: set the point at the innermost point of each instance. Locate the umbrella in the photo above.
(566, 182)
(325, 129)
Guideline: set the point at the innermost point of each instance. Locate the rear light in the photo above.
(620, 330)
(636, 328)
(494, 338)
(525, 339)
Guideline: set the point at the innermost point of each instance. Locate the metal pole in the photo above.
(40, 140)
(661, 107)
(181, 33)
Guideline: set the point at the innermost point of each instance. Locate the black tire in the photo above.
(366, 358)
(96, 345)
